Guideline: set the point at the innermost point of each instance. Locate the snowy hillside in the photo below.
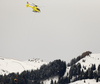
(73, 74)
(11, 65)
(88, 81)
(87, 62)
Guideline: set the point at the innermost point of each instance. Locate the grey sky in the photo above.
(63, 30)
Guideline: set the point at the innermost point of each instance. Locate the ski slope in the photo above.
(88, 81)
(10, 65)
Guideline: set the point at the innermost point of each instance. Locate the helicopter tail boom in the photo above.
(27, 5)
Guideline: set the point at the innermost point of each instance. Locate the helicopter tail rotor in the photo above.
(27, 5)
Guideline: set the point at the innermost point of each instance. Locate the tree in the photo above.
(42, 82)
(51, 82)
(90, 73)
(86, 74)
(86, 53)
(97, 79)
(93, 67)
(55, 82)
(99, 67)
(95, 74)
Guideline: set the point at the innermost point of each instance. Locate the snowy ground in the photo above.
(87, 62)
(88, 81)
(12, 65)
(48, 81)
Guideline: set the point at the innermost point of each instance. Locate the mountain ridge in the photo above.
(8, 65)
(83, 69)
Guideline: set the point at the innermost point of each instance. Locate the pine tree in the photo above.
(42, 82)
(97, 79)
(51, 82)
(99, 68)
(55, 82)
(90, 73)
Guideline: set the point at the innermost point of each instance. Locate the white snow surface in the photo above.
(11, 65)
(88, 81)
(48, 81)
(89, 60)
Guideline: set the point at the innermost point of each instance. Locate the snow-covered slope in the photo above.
(88, 81)
(10, 65)
(87, 62)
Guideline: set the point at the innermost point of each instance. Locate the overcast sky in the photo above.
(64, 29)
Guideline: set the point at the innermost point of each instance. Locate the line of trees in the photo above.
(73, 61)
(55, 68)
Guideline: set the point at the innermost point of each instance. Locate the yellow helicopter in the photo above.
(34, 7)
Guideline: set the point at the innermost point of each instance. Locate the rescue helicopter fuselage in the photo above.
(35, 8)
